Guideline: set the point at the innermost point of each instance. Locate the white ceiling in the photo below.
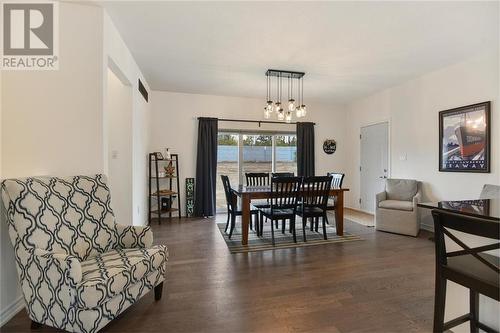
(347, 49)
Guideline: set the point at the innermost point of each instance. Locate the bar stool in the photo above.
(469, 267)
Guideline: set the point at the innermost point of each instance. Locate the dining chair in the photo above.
(257, 178)
(337, 179)
(469, 266)
(232, 208)
(314, 200)
(283, 203)
(282, 174)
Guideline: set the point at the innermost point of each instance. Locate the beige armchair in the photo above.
(396, 208)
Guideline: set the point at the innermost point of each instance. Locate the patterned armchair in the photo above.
(77, 268)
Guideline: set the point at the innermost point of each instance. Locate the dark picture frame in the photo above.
(465, 138)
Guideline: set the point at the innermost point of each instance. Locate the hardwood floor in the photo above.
(382, 284)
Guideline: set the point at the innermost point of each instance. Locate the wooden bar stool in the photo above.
(469, 267)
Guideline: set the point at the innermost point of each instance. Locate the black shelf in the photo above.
(167, 189)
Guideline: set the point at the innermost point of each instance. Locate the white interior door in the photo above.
(374, 163)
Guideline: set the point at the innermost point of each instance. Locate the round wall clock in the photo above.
(329, 146)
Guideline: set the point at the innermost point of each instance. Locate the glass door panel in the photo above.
(257, 154)
(286, 153)
(227, 164)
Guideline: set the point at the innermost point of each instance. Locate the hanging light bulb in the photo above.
(288, 117)
(291, 105)
(281, 114)
(269, 106)
(267, 113)
(277, 106)
(298, 111)
(304, 110)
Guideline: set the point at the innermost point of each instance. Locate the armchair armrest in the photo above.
(134, 236)
(68, 265)
(380, 197)
(416, 199)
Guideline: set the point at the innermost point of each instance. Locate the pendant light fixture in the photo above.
(293, 106)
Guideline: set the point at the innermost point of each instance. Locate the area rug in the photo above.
(283, 241)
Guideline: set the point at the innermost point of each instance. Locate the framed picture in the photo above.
(464, 139)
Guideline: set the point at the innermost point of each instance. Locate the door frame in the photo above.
(389, 154)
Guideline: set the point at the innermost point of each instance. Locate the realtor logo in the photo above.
(30, 36)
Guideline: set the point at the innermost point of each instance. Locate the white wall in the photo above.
(117, 55)
(55, 122)
(119, 108)
(174, 124)
(412, 109)
(52, 120)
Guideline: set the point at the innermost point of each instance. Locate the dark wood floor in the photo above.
(381, 284)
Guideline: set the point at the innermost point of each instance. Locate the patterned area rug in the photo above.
(283, 241)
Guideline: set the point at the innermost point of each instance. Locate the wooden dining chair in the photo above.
(232, 208)
(257, 178)
(337, 180)
(283, 203)
(469, 266)
(282, 174)
(314, 200)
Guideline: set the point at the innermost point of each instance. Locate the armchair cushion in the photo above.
(396, 204)
(130, 237)
(401, 189)
(108, 274)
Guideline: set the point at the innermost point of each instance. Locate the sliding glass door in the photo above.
(240, 152)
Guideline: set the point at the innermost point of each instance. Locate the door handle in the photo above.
(383, 177)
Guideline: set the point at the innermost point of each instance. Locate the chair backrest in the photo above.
(337, 179)
(69, 215)
(445, 221)
(282, 174)
(285, 192)
(490, 191)
(257, 178)
(230, 198)
(401, 189)
(315, 191)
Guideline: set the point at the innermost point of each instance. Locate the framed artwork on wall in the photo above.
(464, 139)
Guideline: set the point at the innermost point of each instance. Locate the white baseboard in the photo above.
(359, 210)
(11, 310)
(427, 227)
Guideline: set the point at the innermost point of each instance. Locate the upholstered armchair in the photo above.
(396, 208)
(77, 268)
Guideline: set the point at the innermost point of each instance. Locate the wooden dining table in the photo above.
(249, 193)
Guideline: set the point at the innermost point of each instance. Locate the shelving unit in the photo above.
(163, 187)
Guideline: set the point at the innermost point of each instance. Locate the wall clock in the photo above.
(329, 146)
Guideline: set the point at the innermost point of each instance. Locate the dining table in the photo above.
(249, 193)
(483, 208)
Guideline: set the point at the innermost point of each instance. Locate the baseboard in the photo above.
(427, 227)
(359, 210)
(11, 310)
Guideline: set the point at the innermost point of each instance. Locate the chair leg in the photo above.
(272, 230)
(474, 311)
(439, 304)
(227, 221)
(292, 226)
(276, 222)
(233, 222)
(326, 218)
(304, 222)
(35, 325)
(262, 224)
(283, 225)
(312, 223)
(158, 291)
(257, 225)
(324, 227)
(316, 222)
